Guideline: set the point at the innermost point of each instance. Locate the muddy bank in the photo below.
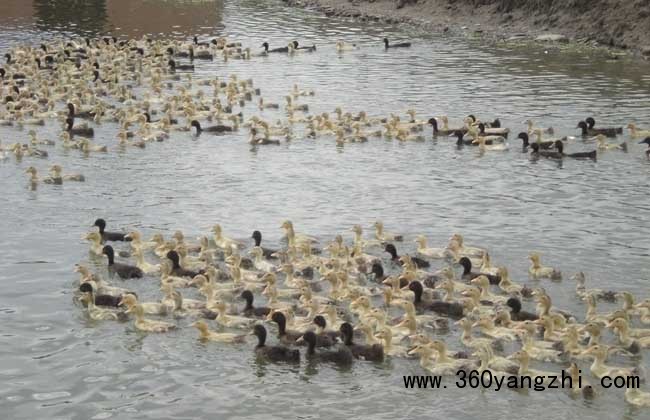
(621, 24)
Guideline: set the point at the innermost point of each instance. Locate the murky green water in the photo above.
(583, 216)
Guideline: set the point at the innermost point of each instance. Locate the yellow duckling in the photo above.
(86, 146)
(230, 321)
(422, 249)
(150, 308)
(538, 271)
(207, 335)
(34, 179)
(259, 262)
(495, 147)
(622, 328)
(144, 265)
(342, 46)
(466, 251)
(390, 349)
(505, 284)
(96, 246)
(487, 327)
(56, 170)
(483, 284)
(94, 312)
(148, 325)
(636, 132)
(384, 236)
(523, 358)
(466, 337)
(604, 145)
(637, 398)
(222, 241)
(599, 368)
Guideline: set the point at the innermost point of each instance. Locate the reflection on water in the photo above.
(131, 18)
(81, 16)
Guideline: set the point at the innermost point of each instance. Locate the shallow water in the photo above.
(582, 216)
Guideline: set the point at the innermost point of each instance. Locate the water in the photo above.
(582, 216)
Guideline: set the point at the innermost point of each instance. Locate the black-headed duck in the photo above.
(647, 152)
(419, 262)
(177, 270)
(373, 353)
(579, 155)
(272, 353)
(214, 129)
(109, 236)
(516, 314)
(249, 309)
(387, 45)
(173, 66)
(451, 309)
(125, 271)
(468, 274)
(284, 335)
(101, 300)
(341, 356)
(587, 129)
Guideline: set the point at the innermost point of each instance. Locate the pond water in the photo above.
(581, 216)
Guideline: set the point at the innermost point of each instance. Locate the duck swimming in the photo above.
(419, 262)
(125, 271)
(109, 236)
(371, 353)
(398, 45)
(215, 129)
(272, 353)
(647, 152)
(341, 356)
(207, 335)
(267, 252)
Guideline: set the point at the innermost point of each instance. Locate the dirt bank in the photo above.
(613, 23)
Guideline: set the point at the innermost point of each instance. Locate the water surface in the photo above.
(582, 216)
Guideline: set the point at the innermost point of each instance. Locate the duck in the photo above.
(149, 308)
(344, 46)
(517, 314)
(537, 270)
(214, 129)
(95, 313)
(486, 324)
(373, 353)
(472, 342)
(266, 252)
(55, 171)
(583, 293)
(206, 335)
(148, 325)
(610, 132)
(34, 179)
(469, 275)
(398, 45)
(578, 384)
(177, 270)
(267, 49)
(284, 335)
(559, 146)
(173, 66)
(384, 236)
(83, 130)
(124, 271)
(423, 250)
(599, 369)
(250, 310)
(541, 144)
(109, 236)
(259, 262)
(602, 144)
(419, 262)
(636, 397)
(230, 321)
(341, 356)
(99, 299)
(272, 353)
(586, 130)
(636, 132)
(143, 265)
(96, 247)
(523, 358)
(224, 242)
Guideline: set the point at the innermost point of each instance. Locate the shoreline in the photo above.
(492, 23)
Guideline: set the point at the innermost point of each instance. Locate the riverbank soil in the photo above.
(623, 24)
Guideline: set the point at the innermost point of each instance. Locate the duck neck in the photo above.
(282, 327)
(249, 303)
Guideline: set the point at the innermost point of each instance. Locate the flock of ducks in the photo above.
(358, 300)
(348, 302)
(145, 89)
